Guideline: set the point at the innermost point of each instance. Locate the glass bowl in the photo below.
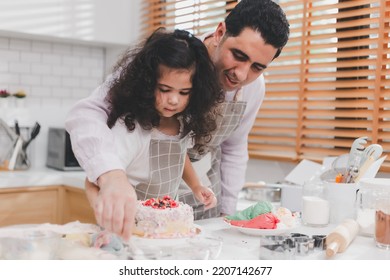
(30, 245)
(211, 243)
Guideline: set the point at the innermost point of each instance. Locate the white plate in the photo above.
(169, 248)
(165, 241)
(262, 232)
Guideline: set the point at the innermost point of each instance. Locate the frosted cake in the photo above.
(164, 218)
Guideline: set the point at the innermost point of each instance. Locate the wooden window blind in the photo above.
(330, 85)
(196, 16)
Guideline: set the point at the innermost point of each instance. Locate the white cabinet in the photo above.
(107, 22)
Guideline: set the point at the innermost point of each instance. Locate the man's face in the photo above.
(242, 59)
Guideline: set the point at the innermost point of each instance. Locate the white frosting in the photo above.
(165, 223)
(286, 217)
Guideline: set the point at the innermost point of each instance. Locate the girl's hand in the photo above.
(206, 196)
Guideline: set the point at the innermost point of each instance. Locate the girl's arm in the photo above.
(203, 194)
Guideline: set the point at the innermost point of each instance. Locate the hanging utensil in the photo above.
(356, 148)
(8, 139)
(364, 167)
(17, 129)
(369, 156)
(374, 151)
(15, 153)
(34, 133)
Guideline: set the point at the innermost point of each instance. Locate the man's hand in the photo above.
(114, 202)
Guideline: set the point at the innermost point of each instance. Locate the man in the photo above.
(241, 47)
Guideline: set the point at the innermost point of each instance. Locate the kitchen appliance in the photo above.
(262, 192)
(59, 151)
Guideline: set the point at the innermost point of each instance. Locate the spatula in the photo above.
(34, 133)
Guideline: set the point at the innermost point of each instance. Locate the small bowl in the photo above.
(30, 245)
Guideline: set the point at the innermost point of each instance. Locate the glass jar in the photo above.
(315, 206)
(382, 221)
(370, 190)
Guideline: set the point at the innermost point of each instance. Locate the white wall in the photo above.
(111, 22)
(57, 66)
(53, 75)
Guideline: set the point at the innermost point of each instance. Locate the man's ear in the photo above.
(219, 33)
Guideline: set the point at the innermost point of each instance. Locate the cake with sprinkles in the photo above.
(164, 218)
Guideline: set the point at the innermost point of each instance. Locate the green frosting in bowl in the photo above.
(252, 211)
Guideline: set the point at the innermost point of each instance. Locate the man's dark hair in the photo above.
(263, 16)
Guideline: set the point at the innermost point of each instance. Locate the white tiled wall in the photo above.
(54, 76)
(47, 70)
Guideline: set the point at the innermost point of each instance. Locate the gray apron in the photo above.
(166, 163)
(230, 117)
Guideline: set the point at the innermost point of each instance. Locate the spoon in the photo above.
(373, 150)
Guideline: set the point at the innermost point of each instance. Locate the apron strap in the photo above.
(238, 95)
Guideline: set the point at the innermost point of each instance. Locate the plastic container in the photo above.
(340, 238)
(342, 201)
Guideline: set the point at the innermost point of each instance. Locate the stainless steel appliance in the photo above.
(59, 151)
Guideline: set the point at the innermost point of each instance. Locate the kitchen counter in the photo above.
(236, 245)
(41, 177)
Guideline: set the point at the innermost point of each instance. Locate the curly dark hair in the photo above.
(264, 16)
(132, 93)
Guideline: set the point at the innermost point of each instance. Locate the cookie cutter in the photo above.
(292, 244)
(319, 242)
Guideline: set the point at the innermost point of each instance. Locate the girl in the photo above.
(164, 94)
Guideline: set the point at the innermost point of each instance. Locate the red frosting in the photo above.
(263, 221)
(157, 203)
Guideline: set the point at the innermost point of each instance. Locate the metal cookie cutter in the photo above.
(319, 242)
(303, 245)
(276, 247)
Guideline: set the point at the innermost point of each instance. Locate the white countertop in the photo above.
(41, 177)
(236, 245)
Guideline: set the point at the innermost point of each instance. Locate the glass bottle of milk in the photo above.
(315, 208)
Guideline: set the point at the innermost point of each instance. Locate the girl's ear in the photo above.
(219, 33)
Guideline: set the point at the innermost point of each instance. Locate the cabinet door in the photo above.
(76, 207)
(28, 206)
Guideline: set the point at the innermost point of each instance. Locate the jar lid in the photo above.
(375, 183)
